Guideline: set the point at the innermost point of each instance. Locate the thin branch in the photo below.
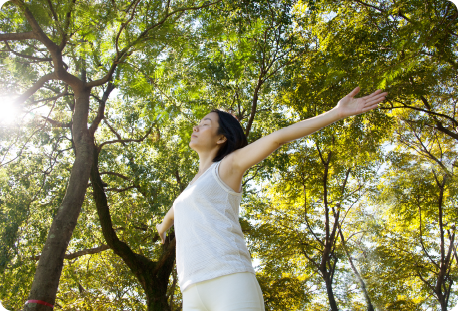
(68, 16)
(83, 252)
(52, 10)
(120, 190)
(112, 129)
(26, 56)
(124, 140)
(101, 111)
(311, 260)
(425, 282)
(307, 221)
(51, 98)
(404, 106)
(115, 174)
(28, 139)
(123, 25)
(17, 36)
(57, 123)
(120, 57)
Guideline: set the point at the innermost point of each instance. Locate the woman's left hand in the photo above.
(350, 106)
(161, 233)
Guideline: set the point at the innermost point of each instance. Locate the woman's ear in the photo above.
(222, 140)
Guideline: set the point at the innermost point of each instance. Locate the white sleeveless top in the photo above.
(209, 239)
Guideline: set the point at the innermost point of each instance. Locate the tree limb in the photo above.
(112, 129)
(432, 113)
(120, 190)
(115, 174)
(22, 98)
(57, 123)
(83, 252)
(59, 70)
(18, 36)
(124, 140)
(125, 51)
(101, 111)
(26, 56)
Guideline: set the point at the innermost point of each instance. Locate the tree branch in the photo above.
(59, 70)
(18, 36)
(307, 221)
(123, 25)
(115, 174)
(120, 190)
(26, 56)
(125, 140)
(52, 10)
(404, 106)
(83, 252)
(125, 51)
(101, 111)
(112, 129)
(57, 123)
(369, 5)
(68, 16)
(421, 241)
(22, 98)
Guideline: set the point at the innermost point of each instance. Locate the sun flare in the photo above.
(8, 111)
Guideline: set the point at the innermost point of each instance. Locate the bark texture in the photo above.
(47, 275)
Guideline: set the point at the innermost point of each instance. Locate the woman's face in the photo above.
(204, 136)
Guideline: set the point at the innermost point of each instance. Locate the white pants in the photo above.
(232, 292)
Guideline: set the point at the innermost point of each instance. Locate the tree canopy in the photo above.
(98, 100)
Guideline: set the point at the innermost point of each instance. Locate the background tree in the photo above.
(420, 224)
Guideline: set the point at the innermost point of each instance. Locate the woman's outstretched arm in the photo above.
(244, 158)
(167, 222)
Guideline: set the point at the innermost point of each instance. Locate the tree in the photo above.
(69, 57)
(407, 48)
(309, 204)
(420, 226)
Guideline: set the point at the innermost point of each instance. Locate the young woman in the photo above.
(213, 262)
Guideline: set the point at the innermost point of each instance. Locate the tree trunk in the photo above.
(152, 275)
(156, 284)
(332, 301)
(47, 275)
(443, 304)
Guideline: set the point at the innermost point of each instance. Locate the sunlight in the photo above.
(8, 111)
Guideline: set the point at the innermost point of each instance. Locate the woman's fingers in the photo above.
(372, 103)
(376, 93)
(375, 97)
(354, 92)
(368, 108)
(162, 236)
(375, 100)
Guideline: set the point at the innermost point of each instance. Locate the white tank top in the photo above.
(209, 239)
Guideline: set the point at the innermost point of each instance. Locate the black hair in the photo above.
(230, 127)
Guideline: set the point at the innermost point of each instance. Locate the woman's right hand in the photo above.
(161, 233)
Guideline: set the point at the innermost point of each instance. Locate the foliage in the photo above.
(375, 178)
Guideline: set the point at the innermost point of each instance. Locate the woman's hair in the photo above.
(230, 127)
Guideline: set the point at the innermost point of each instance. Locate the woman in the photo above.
(213, 262)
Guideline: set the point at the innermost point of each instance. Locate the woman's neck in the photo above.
(206, 159)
